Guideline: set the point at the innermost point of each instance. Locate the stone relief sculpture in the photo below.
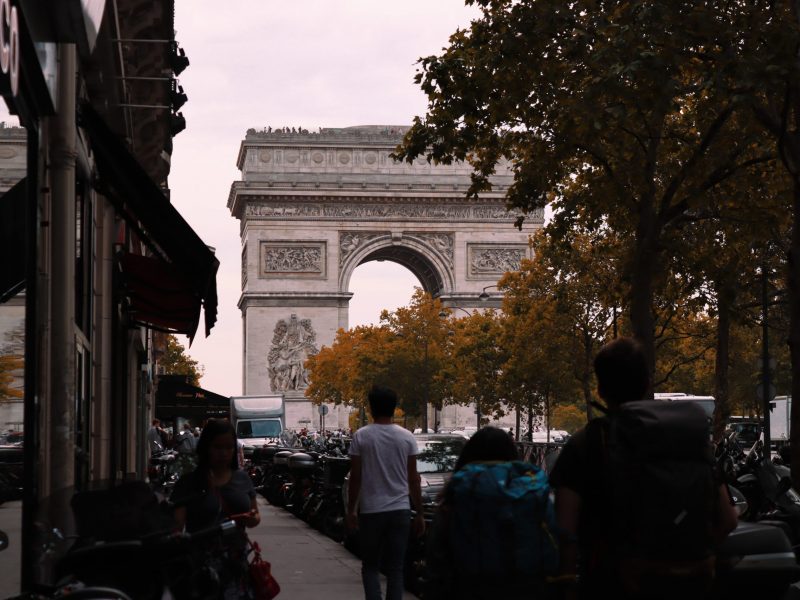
(456, 212)
(263, 209)
(292, 259)
(292, 343)
(443, 243)
(350, 241)
(495, 261)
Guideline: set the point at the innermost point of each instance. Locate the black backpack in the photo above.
(659, 486)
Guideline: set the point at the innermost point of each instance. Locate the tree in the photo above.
(344, 372)
(621, 114)
(563, 301)
(567, 417)
(476, 364)
(175, 361)
(419, 354)
(12, 364)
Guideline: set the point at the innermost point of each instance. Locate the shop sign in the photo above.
(9, 44)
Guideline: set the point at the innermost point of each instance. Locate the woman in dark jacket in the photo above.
(215, 492)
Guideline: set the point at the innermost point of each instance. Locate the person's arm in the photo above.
(728, 517)
(255, 517)
(353, 491)
(415, 491)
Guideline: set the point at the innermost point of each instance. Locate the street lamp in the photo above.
(444, 314)
(483, 296)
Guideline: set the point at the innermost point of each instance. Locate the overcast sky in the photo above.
(309, 63)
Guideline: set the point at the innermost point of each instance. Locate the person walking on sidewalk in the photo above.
(383, 474)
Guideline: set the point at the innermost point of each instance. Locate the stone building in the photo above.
(94, 254)
(314, 206)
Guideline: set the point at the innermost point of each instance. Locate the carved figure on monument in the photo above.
(497, 260)
(441, 242)
(349, 242)
(292, 343)
(293, 259)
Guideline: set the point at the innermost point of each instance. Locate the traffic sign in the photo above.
(323, 409)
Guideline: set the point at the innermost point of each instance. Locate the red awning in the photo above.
(158, 295)
(163, 290)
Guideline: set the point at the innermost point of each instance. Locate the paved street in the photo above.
(308, 565)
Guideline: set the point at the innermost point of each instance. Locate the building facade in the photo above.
(100, 257)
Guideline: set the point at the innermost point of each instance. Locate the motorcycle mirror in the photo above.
(3, 540)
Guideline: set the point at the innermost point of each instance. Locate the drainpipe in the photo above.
(63, 155)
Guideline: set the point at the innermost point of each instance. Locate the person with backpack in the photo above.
(638, 503)
(494, 534)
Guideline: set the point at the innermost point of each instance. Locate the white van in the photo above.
(706, 402)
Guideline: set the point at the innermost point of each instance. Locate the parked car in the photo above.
(438, 454)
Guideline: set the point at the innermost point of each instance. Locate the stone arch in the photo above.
(431, 266)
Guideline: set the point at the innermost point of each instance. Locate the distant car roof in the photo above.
(441, 437)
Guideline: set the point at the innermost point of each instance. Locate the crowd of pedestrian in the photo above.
(630, 516)
(637, 513)
(184, 440)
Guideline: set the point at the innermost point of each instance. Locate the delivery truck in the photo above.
(779, 414)
(258, 420)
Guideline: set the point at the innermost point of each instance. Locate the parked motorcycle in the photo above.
(276, 482)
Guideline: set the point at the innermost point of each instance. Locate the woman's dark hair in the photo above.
(213, 429)
(487, 444)
(382, 401)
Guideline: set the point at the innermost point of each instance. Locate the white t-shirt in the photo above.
(384, 452)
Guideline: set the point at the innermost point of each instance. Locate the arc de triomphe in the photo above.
(314, 206)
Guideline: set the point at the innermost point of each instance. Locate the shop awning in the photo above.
(12, 240)
(176, 398)
(161, 295)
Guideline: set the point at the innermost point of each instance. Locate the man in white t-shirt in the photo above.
(383, 483)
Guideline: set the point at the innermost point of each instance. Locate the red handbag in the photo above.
(265, 586)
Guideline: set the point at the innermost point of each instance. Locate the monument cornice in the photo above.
(288, 298)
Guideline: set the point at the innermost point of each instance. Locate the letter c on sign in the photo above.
(13, 50)
(9, 44)
(5, 34)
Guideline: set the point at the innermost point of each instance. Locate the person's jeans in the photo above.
(383, 538)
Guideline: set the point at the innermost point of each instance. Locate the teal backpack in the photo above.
(502, 522)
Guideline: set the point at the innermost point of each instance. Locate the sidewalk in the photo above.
(307, 564)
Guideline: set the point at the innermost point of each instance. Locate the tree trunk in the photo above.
(586, 383)
(722, 409)
(641, 293)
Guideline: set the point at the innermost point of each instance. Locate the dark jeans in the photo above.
(383, 538)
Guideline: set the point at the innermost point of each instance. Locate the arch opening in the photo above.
(377, 286)
(432, 271)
